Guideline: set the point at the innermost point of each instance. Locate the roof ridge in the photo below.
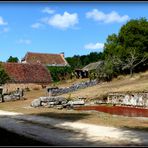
(22, 63)
(44, 53)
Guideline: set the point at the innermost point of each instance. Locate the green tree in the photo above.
(3, 77)
(134, 35)
(119, 48)
(13, 59)
(106, 71)
(78, 61)
(133, 60)
(60, 73)
(74, 61)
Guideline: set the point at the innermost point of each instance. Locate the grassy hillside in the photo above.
(139, 82)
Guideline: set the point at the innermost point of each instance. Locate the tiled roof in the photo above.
(27, 73)
(92, 66)
(44, 58)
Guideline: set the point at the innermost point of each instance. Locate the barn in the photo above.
(45, 59)
(26, 76)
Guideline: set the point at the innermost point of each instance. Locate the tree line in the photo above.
(78, 62)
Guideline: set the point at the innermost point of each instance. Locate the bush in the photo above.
(26, 89)
(60, 73)
(3, 75)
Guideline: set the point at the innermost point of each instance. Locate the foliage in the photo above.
(92, 75)
(127, 51)
(78, 61)
(60, 73)
(133, 60)
(13, 59)
(105, 71)
(3, 75)
(74, 61)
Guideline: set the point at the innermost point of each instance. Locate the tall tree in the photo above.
(13, 59)
(3, 78)
(133, 60)
(119, 48)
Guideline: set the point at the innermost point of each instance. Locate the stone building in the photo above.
(26, 76)
(88, 69)
(45, 59)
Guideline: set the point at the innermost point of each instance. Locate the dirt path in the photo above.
(65, 133)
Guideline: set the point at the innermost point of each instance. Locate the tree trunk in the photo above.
(131, 72)
(2, 98)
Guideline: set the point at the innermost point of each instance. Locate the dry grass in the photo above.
(120, 84)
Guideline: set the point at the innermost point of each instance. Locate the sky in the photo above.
(75, 28)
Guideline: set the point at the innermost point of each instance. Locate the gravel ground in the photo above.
(65, 133)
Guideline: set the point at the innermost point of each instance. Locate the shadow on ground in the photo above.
(65, 116)
(11, 139)
(56, 132)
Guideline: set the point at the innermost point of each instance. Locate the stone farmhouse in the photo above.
(85, 71)
(26, 76)
(31, 72)
(45, 59)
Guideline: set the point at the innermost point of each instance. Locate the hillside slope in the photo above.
(139, 82)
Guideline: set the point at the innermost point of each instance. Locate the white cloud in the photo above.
(24, 41)
(2, 22)
(36, 25)
(63, 21)
(97, 15)
(94, 46)
(48, 10)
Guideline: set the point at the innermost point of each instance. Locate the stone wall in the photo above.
(129, 99)
(7, 88)
(74, 87)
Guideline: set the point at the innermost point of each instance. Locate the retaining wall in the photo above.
(129, 99)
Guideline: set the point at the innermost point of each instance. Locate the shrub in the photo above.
(60, 73)
(3, 75)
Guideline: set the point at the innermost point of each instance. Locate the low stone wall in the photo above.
(7, 88)
(130, 99)
(74, 87)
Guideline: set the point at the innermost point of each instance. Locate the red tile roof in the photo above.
(27, 73)
(44, 58)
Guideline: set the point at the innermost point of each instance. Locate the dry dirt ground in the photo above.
(137, 83)
(59, 132)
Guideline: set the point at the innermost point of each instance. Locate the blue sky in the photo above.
(75, 28)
